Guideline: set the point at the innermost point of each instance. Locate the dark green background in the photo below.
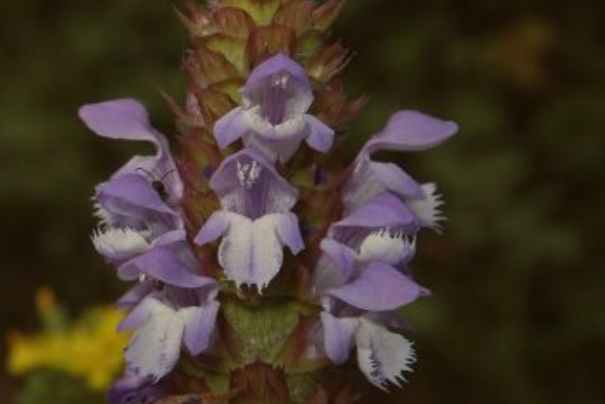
(519, 277)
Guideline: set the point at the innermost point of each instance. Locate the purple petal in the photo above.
(230, 128)
(126, 192)
(171, 264)
(379, 287)
(338, 336)
(135, 295)
(383, 211)
(286, 227)
(319, 136)
(119, 119)
(214, 228)
(248, 184)
(411, 131)
(261, 87)
(199, 326)
(370, 179)
(341, 255)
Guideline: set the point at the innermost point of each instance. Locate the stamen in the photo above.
(281, 81)
(248, 174)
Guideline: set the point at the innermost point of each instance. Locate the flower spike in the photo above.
(217, 308)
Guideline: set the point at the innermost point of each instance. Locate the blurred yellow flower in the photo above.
(89, 348)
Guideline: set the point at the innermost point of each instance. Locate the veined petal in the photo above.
(155, 347)
(382, 355)
(370, 179)
(230, 127)
(173, 264)
(199, 326)
(385, 211)
(251, 251)
(319, 136)
(281, 86)
(269, 234)
(338, 336)
(411, 131)
(127, 119)
(248, 184)
(131, 201)
(379, 287)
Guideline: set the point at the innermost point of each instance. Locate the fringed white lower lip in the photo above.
(386, 246)
(428, 209)
(119, 244)
(104, 216)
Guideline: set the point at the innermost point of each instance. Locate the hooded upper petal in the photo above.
(247, 183)
(281, 87)
(127, 119)
(411, 131)
(273, 117)
(370, 179)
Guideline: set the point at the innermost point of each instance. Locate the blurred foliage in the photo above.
(67, 357)
(517, 315)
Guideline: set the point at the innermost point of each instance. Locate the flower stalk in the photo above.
(267, 267)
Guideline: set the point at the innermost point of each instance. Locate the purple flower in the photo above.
(255, 222)
(134, 216)
(371, 278)
(273, 117)
(166, 320)
(361, 285)
(141, 230)
(406, 131)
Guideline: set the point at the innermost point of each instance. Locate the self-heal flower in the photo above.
(165, 321)
(255, 222)
(273, 117)
(406, 131)
(356, 285)
(136, 206)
